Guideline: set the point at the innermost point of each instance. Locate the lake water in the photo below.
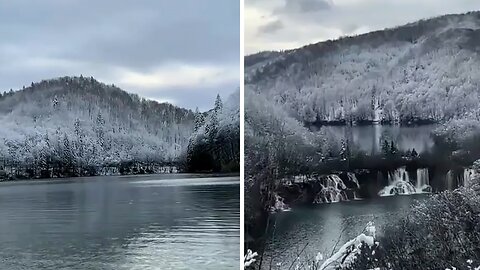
(369, 138)
(297, 236)
(138, 222)
(319, 227)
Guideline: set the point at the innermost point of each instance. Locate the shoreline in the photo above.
(77, 178)
(345, 123)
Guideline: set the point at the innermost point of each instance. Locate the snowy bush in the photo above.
(459, 130)
(440, 232)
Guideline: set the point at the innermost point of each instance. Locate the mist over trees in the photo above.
(74, 126)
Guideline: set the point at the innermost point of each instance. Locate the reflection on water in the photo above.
(370, 138)
(144, 222)
(306, 231)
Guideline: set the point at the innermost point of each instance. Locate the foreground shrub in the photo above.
(441, 232)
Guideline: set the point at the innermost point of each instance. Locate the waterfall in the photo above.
(377, 111)
(398, 187)
(454, 180)
(449, 178)
(279, 205)
(422, 179)
(353, 178)
(468, 175)
(333, 190)
(399, 174)
(399, 183)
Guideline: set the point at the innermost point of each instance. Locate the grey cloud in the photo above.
(126, 32)
(326, 19)
(201, 97)
(270, 27)
(349, 28)
(304, 6)
(138, 35)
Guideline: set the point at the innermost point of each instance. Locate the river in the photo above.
(129, 222)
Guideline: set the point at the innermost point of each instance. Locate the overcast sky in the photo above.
(287, 24)
(182, 51)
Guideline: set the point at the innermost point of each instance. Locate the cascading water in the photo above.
(454, 180)
(450, 179)
(333, 190)
(423, 181)
(353, 178)
(468, 175)
(279, 205)
(399, 183)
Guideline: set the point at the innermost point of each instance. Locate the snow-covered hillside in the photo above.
(427, 70)
(77, 124)
(74, 126)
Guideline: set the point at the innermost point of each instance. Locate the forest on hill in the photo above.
(400, 75)
(77, 126)
(422, 71)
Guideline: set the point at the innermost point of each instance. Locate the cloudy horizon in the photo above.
(289, 24)
(181, 52)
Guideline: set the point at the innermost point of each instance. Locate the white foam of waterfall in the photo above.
(398, 188)
(399, 183)
(333, 190)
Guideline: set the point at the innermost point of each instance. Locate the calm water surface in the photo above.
(140, 222)
(370, 138)
(309, 230)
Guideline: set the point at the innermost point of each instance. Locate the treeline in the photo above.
(215, 143)
(62, 155)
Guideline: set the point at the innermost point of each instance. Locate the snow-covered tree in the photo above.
(215, 144)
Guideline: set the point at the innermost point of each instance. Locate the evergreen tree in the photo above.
(99, 129)
(385, 148)
(199, 119)
(218, 105)
(393, 148)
